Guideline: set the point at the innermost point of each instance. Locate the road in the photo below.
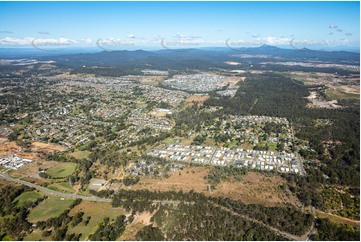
(302, 169)
(282, 233)
(75, 196)
(312, 230)
(54, 193)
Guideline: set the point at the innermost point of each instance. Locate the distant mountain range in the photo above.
(202, 58)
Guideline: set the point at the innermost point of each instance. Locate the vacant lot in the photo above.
(257, 188)
(196, 99)
(97, 212)
(61, 170)
(25, 197)
(343, 92)
(45, 147)
(49, 208)
(337, 219)
(80, 154)
(187, 179)
(36, 235)
(32, 169)
(253, 188)
(140, 221)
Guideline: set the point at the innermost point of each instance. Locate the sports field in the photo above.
(61, 170)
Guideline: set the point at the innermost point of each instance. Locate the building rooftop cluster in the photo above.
(140, 119)
(13, 162)
(153, 169)
(196, 82)
(252, 159)
(228, 92)
(155, 72)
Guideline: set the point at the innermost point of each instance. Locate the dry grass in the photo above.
(97, 212)
(196, 99)
(253, 188)
(140, 221)
(45, 147)
(256, 188)
(130, 232)
(189, 178)
(337, 219)
(32, 169)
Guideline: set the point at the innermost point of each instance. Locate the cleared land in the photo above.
(49, 208)
(196, 99)
(140, 221)
(45, 147)
(36, 235)
(32, 169)
(97, 212)
(253, 188)
(61, 170)
(342, 92)
(80, 154)
(25, 197)
(337, 219)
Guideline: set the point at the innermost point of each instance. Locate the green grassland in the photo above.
(335, 94)
(49, 208)
(25, 197)
(97, 212)
(272, 146)
(61, 170)
(36, 235)
(80, 154)
(61, 187)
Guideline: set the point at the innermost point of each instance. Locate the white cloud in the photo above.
(276, 41)
(43, 41)
(16, 41)
(332, 26)
(131, 36)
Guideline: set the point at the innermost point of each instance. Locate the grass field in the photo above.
(51, 207)
(97, 212)
(334, 94)
(61, 170)
(272, 146)
(36, 235)
(25, 197)
(61, 187)
(80, 154)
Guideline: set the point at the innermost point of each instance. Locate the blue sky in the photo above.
(122, 24)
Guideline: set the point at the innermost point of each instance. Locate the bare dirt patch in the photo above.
(316, 102)
(253, 188)
(32, 169)
(256, 188)
(45, 147)
(196, 99)
(152, 80)
(187, 179)
(140, 221)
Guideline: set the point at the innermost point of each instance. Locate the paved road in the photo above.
(302, 169)
(74, 196)
(54, 193)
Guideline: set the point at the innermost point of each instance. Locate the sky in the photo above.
(122, 25)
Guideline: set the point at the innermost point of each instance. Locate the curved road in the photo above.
(54, 193)
(74, 196)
